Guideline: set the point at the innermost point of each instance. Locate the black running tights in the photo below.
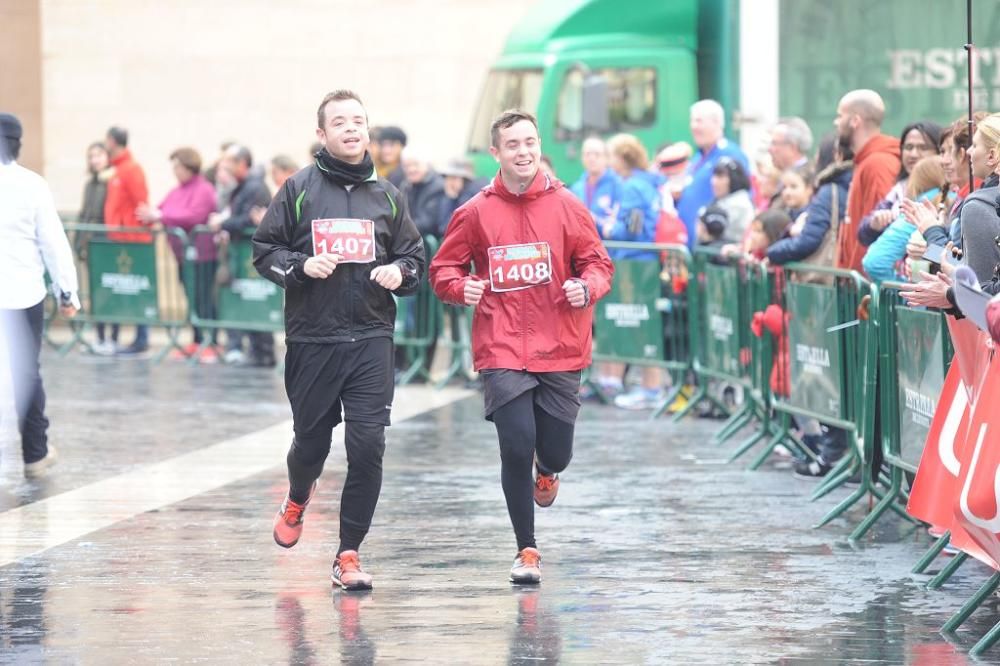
(525, 430)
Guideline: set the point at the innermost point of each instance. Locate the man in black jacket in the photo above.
(237, 221)
(340, 241)
(423, 189)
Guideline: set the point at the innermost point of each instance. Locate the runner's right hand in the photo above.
(321, 266)
(474, 289)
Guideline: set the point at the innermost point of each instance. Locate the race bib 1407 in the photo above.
(352, 239)
(521, 266)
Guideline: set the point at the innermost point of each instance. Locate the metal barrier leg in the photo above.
(970, 606)
(78, 329)
(416, 367)
(856, 496)
(837, 476)
(888, 501)
(747, 445)
(766, 453)
(931, 553)
(693, 401)
(987, 641)
(947, 571)
(664, 405)
(838, 481)
(735, 423)
(173, 342)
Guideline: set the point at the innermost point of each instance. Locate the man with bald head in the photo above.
(599, 188)
(876, 167)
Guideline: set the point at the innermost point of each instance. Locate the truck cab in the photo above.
(592, 67)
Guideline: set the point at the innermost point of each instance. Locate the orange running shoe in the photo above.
(288, 520)
(527, 569)
(546, 488)
(347, 572)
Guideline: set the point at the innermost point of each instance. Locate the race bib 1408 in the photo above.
(522, 266)
(354, 240)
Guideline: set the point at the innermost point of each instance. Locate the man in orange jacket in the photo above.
(539, 268)
(126, 191)
(876, 167)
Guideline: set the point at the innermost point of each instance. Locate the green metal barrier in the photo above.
(914, 352)
(728, 295)
(127, 281)
(762, 286)
(227, 293)
(644, 320)
(833, 371)
(457, 339)
(418, 324)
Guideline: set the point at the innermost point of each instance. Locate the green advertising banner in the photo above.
(123, 281)
(909, 51)
(722, 340)
(628, 323)
(921, 368)
(248, 297)
(816, 379)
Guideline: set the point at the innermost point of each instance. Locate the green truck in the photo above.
(606, 66)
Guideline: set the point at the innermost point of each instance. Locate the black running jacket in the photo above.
(347, 306)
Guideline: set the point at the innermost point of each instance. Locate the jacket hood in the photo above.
(838, 172)
(541, 186)
(124, 156)
(884, 144)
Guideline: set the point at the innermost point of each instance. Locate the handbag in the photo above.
(826, 253)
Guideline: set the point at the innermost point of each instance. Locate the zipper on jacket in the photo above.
(354, 292)
(524, 305)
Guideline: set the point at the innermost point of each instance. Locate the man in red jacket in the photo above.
(876, 167)
(126, 192)
(539, 268)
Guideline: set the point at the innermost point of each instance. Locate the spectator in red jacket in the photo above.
(126, 192)
(535, 283)
(876, 166)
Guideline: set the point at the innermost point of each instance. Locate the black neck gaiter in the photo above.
(344, 173)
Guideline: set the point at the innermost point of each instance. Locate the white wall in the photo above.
(197, 72)
(759, 53)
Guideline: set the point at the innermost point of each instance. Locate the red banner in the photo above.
(977, 511)
(944, 470)
(937, 476)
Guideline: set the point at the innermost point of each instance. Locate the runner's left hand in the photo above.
(388, 276)
(575, 293)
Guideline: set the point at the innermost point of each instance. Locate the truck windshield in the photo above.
(505, 89)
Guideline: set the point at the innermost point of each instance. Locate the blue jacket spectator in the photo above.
(639, 210)
(637, 217)
(707, 124)
(890, 247)
(603, 197)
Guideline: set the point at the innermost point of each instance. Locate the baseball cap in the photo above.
(458, 167)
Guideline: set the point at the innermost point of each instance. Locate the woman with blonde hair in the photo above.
(979, 222)
(638, 213)
(639, 209)
(926, 182)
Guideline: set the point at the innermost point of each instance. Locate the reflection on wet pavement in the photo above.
(655, 552)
